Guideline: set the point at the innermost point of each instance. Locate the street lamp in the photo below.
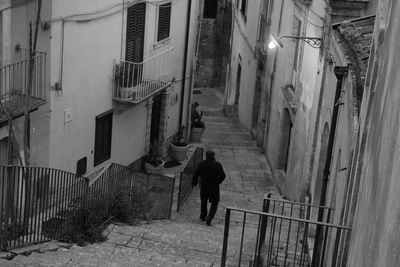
(276, 42)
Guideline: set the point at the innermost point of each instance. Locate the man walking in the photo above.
(212, 174)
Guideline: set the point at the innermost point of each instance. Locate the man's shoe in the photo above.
(208, 223)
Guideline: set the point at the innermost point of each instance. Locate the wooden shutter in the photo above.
(135, 27)
(4, 151)
(164, 21)
(103, 134)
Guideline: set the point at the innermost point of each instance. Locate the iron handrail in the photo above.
(297, 203)
(278, 242)
(9, 64)
(344, 227)
(149, 58)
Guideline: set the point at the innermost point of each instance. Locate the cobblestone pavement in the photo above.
(185, 240)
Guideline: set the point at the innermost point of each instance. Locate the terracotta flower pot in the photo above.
(196, 133)
(179, 150)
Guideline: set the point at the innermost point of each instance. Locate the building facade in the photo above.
(118, 78)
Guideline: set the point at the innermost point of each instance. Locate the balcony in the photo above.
(135, 82)
(14, 87)
(290, 99)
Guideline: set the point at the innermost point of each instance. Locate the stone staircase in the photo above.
(184, 240)
(159, 243)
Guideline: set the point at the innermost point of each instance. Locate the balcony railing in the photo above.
(14, 85)
(135, 82)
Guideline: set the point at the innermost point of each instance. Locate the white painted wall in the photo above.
(89, 49)
(15, 31)
(244, 41)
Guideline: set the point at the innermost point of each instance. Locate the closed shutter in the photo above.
(4, 151)
(164, 21)
(103, 134)
(135, 32)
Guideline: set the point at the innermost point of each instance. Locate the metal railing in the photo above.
(185, 182)
(14, 85)
(39, 204)
(149, 195)
(135, 82)
(281, 237)
(34, 202)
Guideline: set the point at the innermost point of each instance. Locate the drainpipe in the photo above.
(185, 64)
(340, 72)
(122, 28)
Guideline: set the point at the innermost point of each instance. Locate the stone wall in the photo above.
(207, 72)
(214, 47)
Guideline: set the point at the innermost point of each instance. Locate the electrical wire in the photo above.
(110, 9)
(312, 11)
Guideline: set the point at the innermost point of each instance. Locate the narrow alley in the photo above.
(185, 240)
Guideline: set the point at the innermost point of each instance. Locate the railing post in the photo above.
(226, 235)
(263, 229)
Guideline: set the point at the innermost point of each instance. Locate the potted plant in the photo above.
(197, 130)
(178, 147)
(153, 161)
(123, 79)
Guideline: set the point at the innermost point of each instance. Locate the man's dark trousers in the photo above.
(204, 198)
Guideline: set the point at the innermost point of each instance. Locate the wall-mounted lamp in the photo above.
(276, 42)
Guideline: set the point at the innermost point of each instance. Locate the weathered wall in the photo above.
(208, 70)
(214, 48)
(306, 82)
(243, 43)
(90, 46)
(375, 236)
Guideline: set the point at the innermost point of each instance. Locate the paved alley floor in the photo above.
(185, 240)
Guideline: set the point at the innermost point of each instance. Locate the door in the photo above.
(237, 95)
(286, 130)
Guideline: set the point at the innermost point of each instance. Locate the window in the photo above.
(243, 9)
(164, 21)
(135, 28)
(102, 139)
(210, 9)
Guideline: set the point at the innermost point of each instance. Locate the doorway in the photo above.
(237, 94)
(321, 165)
(257, 99)
(284, 147)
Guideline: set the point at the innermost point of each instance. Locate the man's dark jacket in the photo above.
(212, 174)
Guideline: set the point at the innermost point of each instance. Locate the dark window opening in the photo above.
(210, 9)
(243, 9)
(81, 166)
(164, 21)
(102, 140)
